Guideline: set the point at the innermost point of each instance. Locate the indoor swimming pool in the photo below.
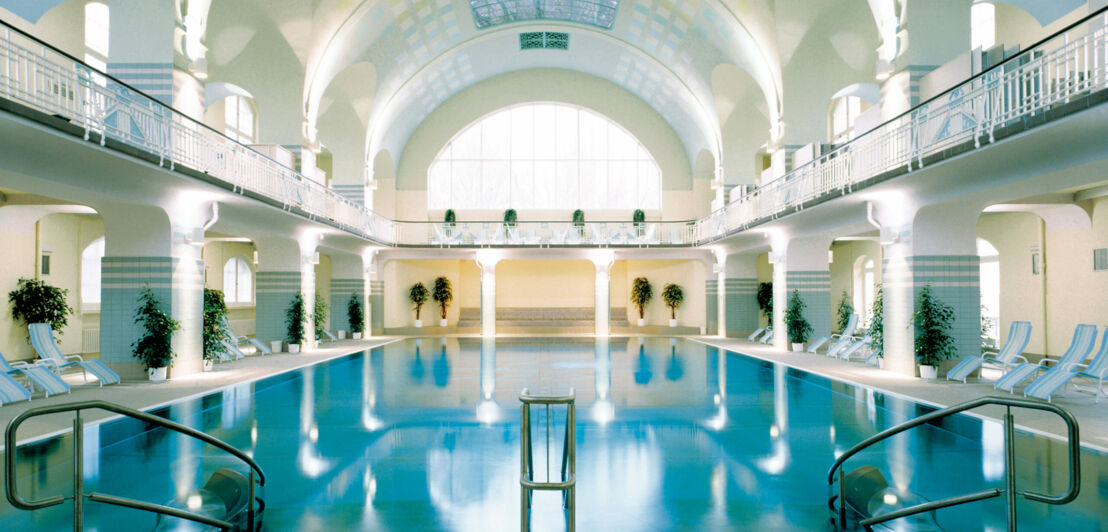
(671, 435)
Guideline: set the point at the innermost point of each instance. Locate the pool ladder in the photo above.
(527, 482)
(257, 477)
(838, 502)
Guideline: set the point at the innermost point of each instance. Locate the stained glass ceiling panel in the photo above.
(600, 13)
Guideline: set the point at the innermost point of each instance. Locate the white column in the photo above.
(602, 303)
(486, 262)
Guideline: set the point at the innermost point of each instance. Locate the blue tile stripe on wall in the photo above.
(377, 305)
(815, 290)
(341, 290)
(355, 193)
(275, 291)
(123, 280)
(711, 290)
(956, 281)
(741, 299)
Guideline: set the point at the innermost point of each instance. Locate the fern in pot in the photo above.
(795, 323)
(319, 316)
(765, 301)
(443, 294)
(355, 315)
(673, 296)
(34, 301)
(215, 312)
(154, 348)
(418, 296)
(845, 310)
(641, 294)
(638, 219)
(877, 325)
(933, 320)
(295, 317)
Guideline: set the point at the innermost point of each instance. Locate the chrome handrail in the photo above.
(1073, 443)
(12, 486)
(527, 482)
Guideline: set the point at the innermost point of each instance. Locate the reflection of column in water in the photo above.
(603, 411)
(778, 432)
(370, 421)
(992, 450)
(487, 409)
(901, 462)
(90, 453)
(187, 466)
(236, 404)
(307, 457)
(718, 421)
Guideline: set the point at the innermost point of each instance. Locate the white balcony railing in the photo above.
(1070, 64)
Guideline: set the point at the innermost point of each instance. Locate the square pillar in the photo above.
(711, 311)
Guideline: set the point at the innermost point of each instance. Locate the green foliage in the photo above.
(295, 316)
(877, 322)
(510, 217)
(844, 311)
(155, 347)
(443, 294)
(641, 294)
(673, 297)
(34, 301)
(215, 310)
(578, 218)
(988, 330)
(798, 327)
(355, 314)
(449, 217)
(418, 296)
(933, 320)
(639, 216)
(319, 315)
(765, 300)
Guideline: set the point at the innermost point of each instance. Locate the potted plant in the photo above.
(933, 320)
(641, 294)
(295, 316)
(34, 301)
(418, 296)
(319, 316)
(510, 217)
(673, 297)
(765, 301)
(215, 311)
(844, 311)
(579, 222)
(797, 326)
(155, 347)
(448, 222)
(443, 294)
(638, 218)
(877, 325)
(355, 315)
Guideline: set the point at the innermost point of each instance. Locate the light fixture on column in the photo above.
(830, 256)
(311, 259)
(255, 257)
(199, 68)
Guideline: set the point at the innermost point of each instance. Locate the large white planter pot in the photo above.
(357, 336)
(928, 372)
(418, 324)
(642, 322)
(208, 364)
(157, 374)
(275, 346)
(703, 331)
(342, 335)
(672, 323)
(294, 348)
(881, 363)
(798, 347)
(442, 322)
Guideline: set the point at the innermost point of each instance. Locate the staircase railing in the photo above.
(1073, 446)
(11, 484)
(527, 482)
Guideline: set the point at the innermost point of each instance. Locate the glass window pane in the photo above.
(523, 134)
(468, 144)
(438, 185)
(567, 133)
(545, 131)
(567, 184)
(496, 137)
(594, 137)
(465, 189)
(648, 182)
(544, 185)
(523, 184)
(494, 185)
(90, 272)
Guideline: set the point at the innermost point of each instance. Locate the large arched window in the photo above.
(544, 156)
(239, 119)
(237, 281)
(90, 272)
(865, 287)
(990, 292)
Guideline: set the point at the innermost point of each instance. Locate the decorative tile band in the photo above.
(355, 193)
(274, 293)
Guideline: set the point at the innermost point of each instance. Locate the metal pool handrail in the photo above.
(1073, 442)
(568, 484)
(16, 500)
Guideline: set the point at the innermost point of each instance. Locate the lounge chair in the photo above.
(854, 350)
(236, 339)
(1057, 377)
(768, 338)
(35, 374)
(1019, 334)
(42, 339)
(230, 351)
(330, 335)
(851, 324)
(1084, 340)
(758, 332)
(11, 391)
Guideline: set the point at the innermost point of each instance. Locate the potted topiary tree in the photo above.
(638, 218)
(510, 217)
(641, 294)
(448, 222)
(877, 325)
(215, 311)
(418, 296)
(319, 316)
(579, 223)
(155, 347)
(34, 301)
(355, 315)
(933, 320)
(295, 316)
(765, 301)
(797, 326)
(673, 297)
(845, 310)
(443, 294)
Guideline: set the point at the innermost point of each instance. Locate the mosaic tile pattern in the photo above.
(711, 289)
(815, 290)
(377, 306)
(956, 281)
(741, 300)
(275, 291)
(154, 79)
(355, 193)
(599, 13)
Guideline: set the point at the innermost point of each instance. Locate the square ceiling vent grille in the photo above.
(551, 40)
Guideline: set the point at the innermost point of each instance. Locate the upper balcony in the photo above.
(1062, 74)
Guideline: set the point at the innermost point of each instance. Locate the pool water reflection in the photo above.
(671, 435)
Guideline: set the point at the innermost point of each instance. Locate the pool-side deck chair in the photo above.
(36, 375)
(1056, 377)
(1084, 340)
(230, 351)
(757, 332)
(851, 324)
(11, 391)
(330, 336)
(1019, 334)
(768, 338)
(260, 347)
(854, 350)
(42, 339)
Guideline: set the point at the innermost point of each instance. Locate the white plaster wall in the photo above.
(1021, 292)
(400, 275)
(1075, 293)
(63, 26)
(688, 274)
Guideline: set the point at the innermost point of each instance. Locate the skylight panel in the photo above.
(599, 13)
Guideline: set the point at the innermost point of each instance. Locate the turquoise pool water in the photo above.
(671, 435)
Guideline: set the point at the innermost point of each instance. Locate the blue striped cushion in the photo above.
(1019, 334)
(1015, 376)
(46, 379)
(11, 391)
(1100, 362)
(1049, 382)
